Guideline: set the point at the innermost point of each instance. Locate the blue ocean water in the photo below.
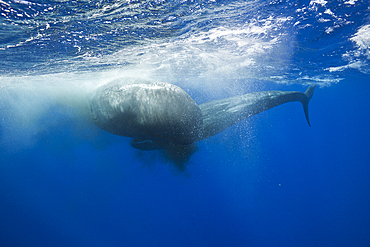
(268, 181)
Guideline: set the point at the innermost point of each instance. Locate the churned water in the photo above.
(268, 181)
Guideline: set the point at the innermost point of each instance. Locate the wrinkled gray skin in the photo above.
(161, 115)
(157, 111)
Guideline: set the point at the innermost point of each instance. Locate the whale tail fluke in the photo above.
(308, 93)
(310, 90)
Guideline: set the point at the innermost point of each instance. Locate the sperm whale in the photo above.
(159, 115)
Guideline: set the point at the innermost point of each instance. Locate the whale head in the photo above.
(156, 111)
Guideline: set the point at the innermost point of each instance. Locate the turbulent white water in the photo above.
(54, 53)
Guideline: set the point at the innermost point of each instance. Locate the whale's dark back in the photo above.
(140, 109)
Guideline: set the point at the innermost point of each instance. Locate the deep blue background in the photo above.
(300, 187)
(268, 181)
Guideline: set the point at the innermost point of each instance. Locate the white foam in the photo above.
(329, 12)
(210, 61)
(351, 2)
(2, 2)
(216, 57)
(321, 2)
(358, 58)
(362, 40)
(352, 65)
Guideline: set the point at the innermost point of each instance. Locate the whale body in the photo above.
(159, 112)
(161, 115)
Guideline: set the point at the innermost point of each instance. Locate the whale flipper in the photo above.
(219, 115)
(147, 145)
